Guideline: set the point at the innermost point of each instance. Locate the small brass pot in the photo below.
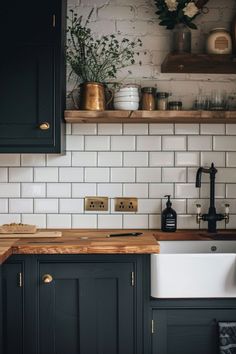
(92, 96)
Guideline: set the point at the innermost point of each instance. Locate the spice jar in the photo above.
(175, 106)
(162, 101)
(148, 98)
(219, 42)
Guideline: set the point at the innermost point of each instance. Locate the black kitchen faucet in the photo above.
(212, 216)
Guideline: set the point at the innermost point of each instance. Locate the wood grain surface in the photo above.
(38, 234)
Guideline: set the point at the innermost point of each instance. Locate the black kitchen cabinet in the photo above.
(189, 330)
(73, 304)
(32, 72)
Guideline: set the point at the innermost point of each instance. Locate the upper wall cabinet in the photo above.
(32, 76)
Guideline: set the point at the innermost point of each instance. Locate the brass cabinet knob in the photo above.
(44, 126)
(47, 278)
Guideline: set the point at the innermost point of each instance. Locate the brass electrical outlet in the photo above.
(126, 204)
(96, 203)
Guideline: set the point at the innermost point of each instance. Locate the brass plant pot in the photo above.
(92, 96)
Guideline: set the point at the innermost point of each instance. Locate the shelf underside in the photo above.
(210, 117)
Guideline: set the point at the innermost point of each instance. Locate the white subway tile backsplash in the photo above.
(175, 174)
(186, 191)
(4, 205)
(137, 221)
(161, 129)
(96, 174)
(3, 174)
(212, 129)
(149, 175)
(135, 129)
(83, 221)
(33, 190)
(148, 143)
(71, 206)
(231, 190)
(46, 174)
(71, 174)
(58, 221)
(74, 142)
(179, 205)
(149, 206)
(110, 190)
(230, 129)
(59, 160)
(226, 175)
(138, 190)
(122, 175)
(122, 143)
(187, 222)
(109, 158)
(159, 190)
(20, 174)
(187, 129)
(45, 206)
(81, 190)
(109, 221)
(173, 143)
(10, 218)
(154, 221)
(230, 159)
(33, 160)
(84, 159)
(219, 190)
(20, 206)
(135, 159)
(187, 159)
(199, 143)
(59, 190)
(36, 219)
(224, 143)
(217, 157)
(9, 160)
(97, 143)
(109, 129)
(9, 190)
(84, 129)
(161, 159)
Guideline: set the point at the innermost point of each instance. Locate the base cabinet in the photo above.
(185, 331)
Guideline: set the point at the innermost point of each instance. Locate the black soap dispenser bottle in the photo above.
(168, 217)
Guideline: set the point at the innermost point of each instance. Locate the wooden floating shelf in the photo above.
(115, 116)
(199, 64)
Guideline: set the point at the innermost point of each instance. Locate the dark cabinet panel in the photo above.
(32, 72)
(86, 309)
(12, 309)
(188, 331)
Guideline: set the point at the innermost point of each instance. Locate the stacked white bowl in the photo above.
(127, 98)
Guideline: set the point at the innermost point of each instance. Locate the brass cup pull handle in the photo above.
(47, 278)
(44, 126)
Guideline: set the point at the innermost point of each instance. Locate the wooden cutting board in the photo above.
(38, 234)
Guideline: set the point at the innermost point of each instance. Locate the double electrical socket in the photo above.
(101, 204)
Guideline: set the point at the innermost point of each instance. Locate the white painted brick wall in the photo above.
(143, 160)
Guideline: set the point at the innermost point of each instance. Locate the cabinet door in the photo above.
(12, 309)
(88, 308)
(31, 71)
(188, 331)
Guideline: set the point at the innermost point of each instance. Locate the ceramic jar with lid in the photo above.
(219, 42)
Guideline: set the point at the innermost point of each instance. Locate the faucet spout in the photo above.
(199, 177)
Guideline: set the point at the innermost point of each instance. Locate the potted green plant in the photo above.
(178, 15)
(96, 61)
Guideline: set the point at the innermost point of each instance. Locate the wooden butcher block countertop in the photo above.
(96, 242)
(83, 242)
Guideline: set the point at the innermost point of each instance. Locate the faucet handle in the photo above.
(199, 215)
(226, 216)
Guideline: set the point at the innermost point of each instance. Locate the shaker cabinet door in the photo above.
(86, 308)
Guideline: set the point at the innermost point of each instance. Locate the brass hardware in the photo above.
(96, 203)
(132, 279)
(47, 278)
(54, 20)
(153, 326)
(44, 126)
(20, 280)
(126, 204)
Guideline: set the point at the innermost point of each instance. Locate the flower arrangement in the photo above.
(173, 12)
(97, 59)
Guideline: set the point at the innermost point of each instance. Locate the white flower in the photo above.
(172, 5)
(190, 10)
